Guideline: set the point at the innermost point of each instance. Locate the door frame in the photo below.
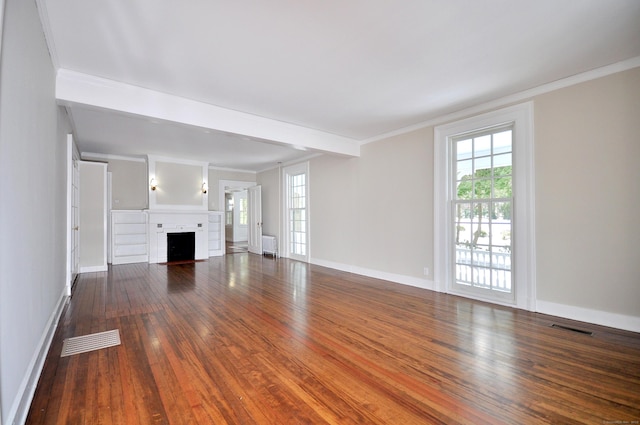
(73, 178)
(235, 184)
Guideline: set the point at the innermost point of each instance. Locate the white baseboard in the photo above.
(597, 317)
(130, 259)
(93, 269)
(376, 274)
(22, 402)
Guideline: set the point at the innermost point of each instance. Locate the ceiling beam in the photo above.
(74, 88)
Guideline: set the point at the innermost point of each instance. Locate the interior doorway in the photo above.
(234, 201)
(236, 229)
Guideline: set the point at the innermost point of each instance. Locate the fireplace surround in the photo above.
(163, 223)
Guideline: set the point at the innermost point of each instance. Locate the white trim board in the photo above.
(20, 406)
(596, 317)
(105, 157)
(92, 269)
(376, 274)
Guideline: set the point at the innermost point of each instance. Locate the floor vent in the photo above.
(568, 328)
(91, 342)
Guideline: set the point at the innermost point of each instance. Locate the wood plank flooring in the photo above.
(244, 339)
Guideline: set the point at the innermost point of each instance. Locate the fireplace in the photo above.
(181, 246)
(166, 224)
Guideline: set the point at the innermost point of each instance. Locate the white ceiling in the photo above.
(277, 80)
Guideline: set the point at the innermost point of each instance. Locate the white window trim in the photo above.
(524, 245)
(288, 171)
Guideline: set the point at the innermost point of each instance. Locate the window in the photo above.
(482, 205)
(296, 211)
(484, 245)
(228, 200)
(298, 214)
(242, 211)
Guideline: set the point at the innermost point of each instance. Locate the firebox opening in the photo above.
(181, 246)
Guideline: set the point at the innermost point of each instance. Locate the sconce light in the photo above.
(153, 184)
(204, 187)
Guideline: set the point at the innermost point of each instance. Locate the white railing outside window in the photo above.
(484, 268)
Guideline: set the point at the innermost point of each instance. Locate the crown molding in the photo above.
(106, 157)
(41, 5)
(515, 98)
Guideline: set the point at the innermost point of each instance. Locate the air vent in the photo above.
(86, 343)
(569, 328)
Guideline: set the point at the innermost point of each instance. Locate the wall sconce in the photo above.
(153, 184)
(205, 187)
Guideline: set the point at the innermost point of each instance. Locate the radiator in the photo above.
(269, 245)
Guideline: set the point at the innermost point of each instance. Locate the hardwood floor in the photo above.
(243, 339)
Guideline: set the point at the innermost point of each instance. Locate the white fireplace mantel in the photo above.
(163, 222)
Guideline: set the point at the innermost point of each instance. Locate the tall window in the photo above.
(298, 214)
(484, 241)
(482, 208)
(242, 211)
(297, 217)
(228, 201)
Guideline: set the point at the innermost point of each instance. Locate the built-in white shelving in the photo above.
(216, 233)
(129, 241)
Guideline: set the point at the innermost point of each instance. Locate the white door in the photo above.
(255, 219)
(73, 177)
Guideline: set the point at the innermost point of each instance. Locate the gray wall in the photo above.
(93, 217)
(376, 212)
(129, 185)
(216, 175)
(32, 201)
(588, 194)
(178, 184)
(270, 201)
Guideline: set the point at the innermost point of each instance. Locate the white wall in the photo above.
(32, 206)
